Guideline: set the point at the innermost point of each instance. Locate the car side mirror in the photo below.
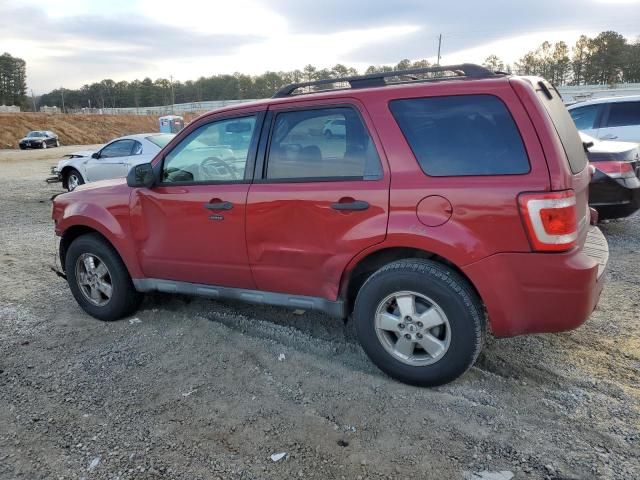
(141, 176)
(95, 155)
(587, 146)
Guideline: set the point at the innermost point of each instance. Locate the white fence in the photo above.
(9, 109)
(580, 93)
(178, 108)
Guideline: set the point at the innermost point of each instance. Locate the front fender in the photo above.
(111, 222)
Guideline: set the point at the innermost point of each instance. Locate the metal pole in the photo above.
(33, 98)
(62, 93)
(439, 47)
(173, 97)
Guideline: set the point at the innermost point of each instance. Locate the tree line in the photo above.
(607, 58)
(13, 80)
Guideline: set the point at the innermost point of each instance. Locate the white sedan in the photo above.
(114, 160)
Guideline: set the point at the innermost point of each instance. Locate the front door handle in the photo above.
(353, 205)
(609, 136)
(218, 206)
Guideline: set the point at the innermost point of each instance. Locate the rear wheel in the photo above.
(73, 178)
(99, 280)
(420, 322)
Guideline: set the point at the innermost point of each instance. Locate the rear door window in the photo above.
(301, 150)
(462, 135)
(623, 114)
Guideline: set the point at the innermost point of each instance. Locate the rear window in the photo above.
(564, 125)
(622, 114)
(162, 139)
(462, 135)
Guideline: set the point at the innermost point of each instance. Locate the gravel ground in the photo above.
(197, 389)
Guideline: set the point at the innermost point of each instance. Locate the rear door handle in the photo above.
(355, 205)
(218, 206)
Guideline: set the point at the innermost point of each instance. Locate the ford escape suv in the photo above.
(454, 202)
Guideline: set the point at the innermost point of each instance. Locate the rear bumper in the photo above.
(541, 292)
(614, 198)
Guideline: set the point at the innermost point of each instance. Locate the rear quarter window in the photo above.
(461, 135)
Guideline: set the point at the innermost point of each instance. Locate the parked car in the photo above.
(335, 127)
(448, 208)
(616, 118)
(112, 161)
(615, 186)
(39, 139)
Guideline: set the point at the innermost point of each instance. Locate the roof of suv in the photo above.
(596, 101)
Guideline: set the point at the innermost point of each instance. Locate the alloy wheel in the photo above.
(94, 279)
(412, 328)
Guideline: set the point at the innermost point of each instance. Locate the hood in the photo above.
(103, 185)
(32, 138)
(79, 158)
(82, 153)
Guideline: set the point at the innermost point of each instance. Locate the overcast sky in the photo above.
(72, 42)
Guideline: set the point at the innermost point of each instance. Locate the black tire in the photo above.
(22, 147)
(124, 300)
(452, 294)
(57, 143)
(69, 175)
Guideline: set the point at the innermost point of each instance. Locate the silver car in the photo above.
(112, 161)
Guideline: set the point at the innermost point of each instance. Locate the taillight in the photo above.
(615, 169)
(551, 220)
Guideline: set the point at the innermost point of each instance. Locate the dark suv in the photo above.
(455, 201)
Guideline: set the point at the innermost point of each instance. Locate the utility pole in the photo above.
(439, 47)
(33, 99)
(173, 97)
(62, 94)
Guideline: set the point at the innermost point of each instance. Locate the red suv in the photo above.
(451, 200)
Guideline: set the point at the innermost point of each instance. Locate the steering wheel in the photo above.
(211, 167)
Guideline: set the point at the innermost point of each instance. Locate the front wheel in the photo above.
(99, 280)
(57, 143)
(44, 144)
(420, 322)
(73, 178)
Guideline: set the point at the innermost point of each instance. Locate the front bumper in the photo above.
(541, 292)
(55, 176)
(35, 144)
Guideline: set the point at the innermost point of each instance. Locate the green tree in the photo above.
(494, 63)
(580, 55)
(13, 80)
(606, 58)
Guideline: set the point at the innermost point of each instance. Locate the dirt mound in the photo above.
(74, 129)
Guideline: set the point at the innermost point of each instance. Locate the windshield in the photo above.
(36, 134)
(162, 139)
